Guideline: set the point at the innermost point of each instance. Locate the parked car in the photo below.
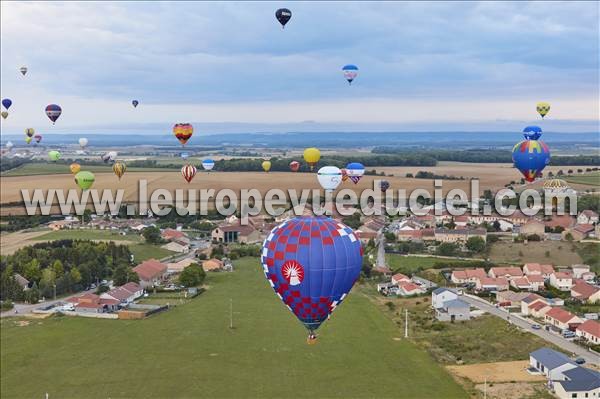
(580, 360)
(568, 334)
(536, 326)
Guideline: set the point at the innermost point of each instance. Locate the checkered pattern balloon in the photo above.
(312, 263)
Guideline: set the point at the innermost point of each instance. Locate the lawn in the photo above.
(78, 234)
(591, 179)
(556, 253)
(412, 264)
(189, 351)
(141, 252)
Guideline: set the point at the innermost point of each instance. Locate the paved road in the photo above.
(525, 324)
(24, 309)
(381, 251)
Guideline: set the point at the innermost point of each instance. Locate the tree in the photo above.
(58, 268)
(447, 249)
(152, 235)
(389, 236)
(32, 295)
(569, 237)
(496, 225)
(75, 275)
(475, 244)
(123, 274)
(192, 275)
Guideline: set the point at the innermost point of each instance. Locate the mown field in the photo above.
(592, 179)
(557, 253)
(412, 264)
(189, 351)
(77, 234)
(63, 168)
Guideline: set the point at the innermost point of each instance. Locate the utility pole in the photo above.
(231, 313)
(485, 388)
(405, 323)
(55, 292)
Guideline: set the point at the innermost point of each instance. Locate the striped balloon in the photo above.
(188, 172)
(119, 168)
(183, 132)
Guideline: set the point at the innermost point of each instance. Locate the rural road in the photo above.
(24, 309)
(525, 324)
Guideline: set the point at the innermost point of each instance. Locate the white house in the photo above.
(590, 331)
(578, 382)
(587, 217)
(562, 319)
(561, 280)
(550, 362)
(580, 270)
(441, 295)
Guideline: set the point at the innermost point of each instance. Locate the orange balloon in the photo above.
(183, 132)
(75, 168)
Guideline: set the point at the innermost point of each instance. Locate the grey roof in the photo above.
(581, 379)
(456, 303)
(551, 359)
(442, 289)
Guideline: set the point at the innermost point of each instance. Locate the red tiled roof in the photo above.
(562, 275)
(584, 228)
(411, 233)
(400, 276)
(92, 305)
(409, 287)
(521, 282)
(511, 271)
(584, 290)
(132, 287)
(535, 278)
(589, 213)
(170, 234)
(150, 269)
(537, 305)
(563, 221)
(469, 273)
(560, 314)
(536, 267)
(591, 327)
(241, 229)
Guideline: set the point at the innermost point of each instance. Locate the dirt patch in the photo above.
(511, 390)
(22, 323)
(11, 242)
(556, 253)
(496, 372)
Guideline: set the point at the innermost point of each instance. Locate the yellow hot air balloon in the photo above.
(119, 168)
(542, 108)
(28, 139)
(4, 114)
(312, 156)
(29, 132)
(75, 168)
(266, 165)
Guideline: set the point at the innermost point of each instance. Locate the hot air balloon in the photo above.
(329, 177)
(75, 168)
(28, 139)
(344, 174)
(110, 156)
(53, 111)
(531, 155)
(23, 70)
(6, 102)
(54, 155)
(355, 171)
(183, 132)
(29, 132)
(312, 263)
(119, 168)
(4, 114)
(266, 165)
(312, 156)
(84, 179)
(208, 164)
(135, 103)
(283, 15)
(188, 172)
(83, 142)
(9, 145)
(542, 108)
(37, 138)
(350, 72)
(184, 155)
(384, 185)
(294, 166)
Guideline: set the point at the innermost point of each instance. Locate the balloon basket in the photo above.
(311, 340)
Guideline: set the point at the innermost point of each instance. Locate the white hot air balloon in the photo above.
(83, 142)
(9, 145)
(329, 177)
(109, 156)
(208, 164)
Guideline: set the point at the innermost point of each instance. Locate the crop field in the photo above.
(190, 351)
(62, 168)
(591, 179)
(551, 252)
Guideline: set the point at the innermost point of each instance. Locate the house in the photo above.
(578, 382)
(458, 235)
(125, 294)
(399, 278)
(366, 236)
(212, 265)
(151, 272)
(506, 272)
(383, 288)
(491, 284)
(562, 319)
(171, 234)
(22, 281)
(585, 292)
(579, 270)
(510, 298)
(177, 267)
(533, 269)
(533, 227)
(467, 275)
(587, 216)
(175, 246)
(441, 295)
(536, 282)
(236, 233)
(590, 331)
(561, 280)
(521, 283)
(92, 303)
(579, 231)
(410, 288)
(538, 309)
(550, 362)
(461, 221)
(453, 310)
(530, 300)
(410, 235)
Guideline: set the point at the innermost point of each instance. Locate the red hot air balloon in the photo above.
(183, 132)
(188, 172)
(53, 111)
(294, 166)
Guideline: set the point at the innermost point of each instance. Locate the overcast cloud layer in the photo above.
(422, 65)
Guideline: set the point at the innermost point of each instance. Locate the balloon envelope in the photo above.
(188, 172)
(266, 165)
(83, 142)
(294, 166)
(23, 70)
(355, 171)
(208, 164)
(384, 185)
(542, 108)
(9, 145)
(54, 155)
(37, 138)
(84, 179)
(53, 111)
(109, 156)
(74, 168)
(283, 15)
(6, 103)
(119, 169)
(4, 114)
(183, 132)
(329, 177)
(312, 263)
(135, 103)
(29, 132)
(28, 139)
(531, 157)
(350, 72)
(312, 156)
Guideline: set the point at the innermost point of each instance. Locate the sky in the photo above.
(230, 66)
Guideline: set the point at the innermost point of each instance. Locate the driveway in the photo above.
(526, 324)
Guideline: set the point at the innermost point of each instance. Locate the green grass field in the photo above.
(63, 168)
(592, 179)
(141, 252)
(552, 252)
(87, 235)
(412, 264)
(190, 351)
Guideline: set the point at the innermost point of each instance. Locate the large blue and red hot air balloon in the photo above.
(531, 155)
(312, 263)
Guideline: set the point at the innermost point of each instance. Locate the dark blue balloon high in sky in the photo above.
(6, 102)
